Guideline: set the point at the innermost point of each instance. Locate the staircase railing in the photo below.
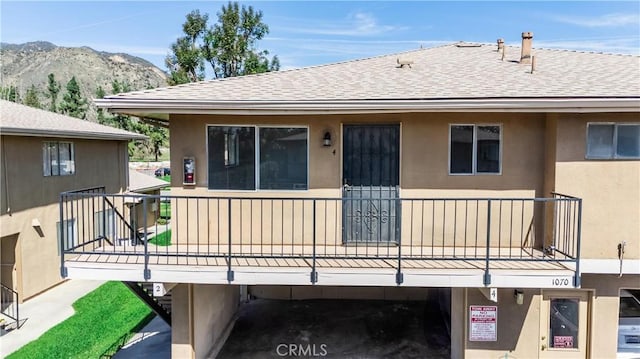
(150, 300)
(10, 304)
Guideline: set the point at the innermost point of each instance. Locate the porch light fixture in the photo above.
(326, 140)
(519, 296)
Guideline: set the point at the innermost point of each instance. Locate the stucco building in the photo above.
(507, 177)
(42, 155)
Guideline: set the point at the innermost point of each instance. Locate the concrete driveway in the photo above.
(338, 329)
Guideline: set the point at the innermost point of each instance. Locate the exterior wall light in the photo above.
(326, 140)
(519, 296)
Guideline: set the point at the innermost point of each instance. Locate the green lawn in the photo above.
(162, 239)
(165, 210)
(103, 317)
(166, 178)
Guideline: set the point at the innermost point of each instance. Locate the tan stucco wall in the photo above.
(424, 174)
(518, 325)
(27, 196)
(424, 147)
(202, 317)
(605, 306)
(610, 189)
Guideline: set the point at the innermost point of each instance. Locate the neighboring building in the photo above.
(498, 178)
(43, 154)
(140, 183)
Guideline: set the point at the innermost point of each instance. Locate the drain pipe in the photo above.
(621, 246)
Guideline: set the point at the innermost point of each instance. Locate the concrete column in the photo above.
(458, 322)
(182, 321)
(202, 317)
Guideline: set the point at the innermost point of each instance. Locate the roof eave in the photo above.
(69, 134)
(149, 108)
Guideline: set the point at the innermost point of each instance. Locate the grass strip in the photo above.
(102, 318)
(162, 239)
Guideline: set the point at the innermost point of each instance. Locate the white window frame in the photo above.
(474, 163)
(257, 157)
(614, 143)
(72, 154)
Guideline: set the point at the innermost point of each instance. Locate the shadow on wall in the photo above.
(511, 320)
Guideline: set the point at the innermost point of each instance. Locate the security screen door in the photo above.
(370, 183)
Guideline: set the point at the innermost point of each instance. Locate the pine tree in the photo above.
(10, 94)
(100, 93)
(73, 104)
(53, 88)
(31, 98)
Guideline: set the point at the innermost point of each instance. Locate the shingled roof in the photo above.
(17, 119)
(452, 75)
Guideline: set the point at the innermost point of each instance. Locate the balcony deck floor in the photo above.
(446, 267)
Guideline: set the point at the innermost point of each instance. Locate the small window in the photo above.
(104, 224)
(58, 159)
(70, 234)
(613, 141)
(249, 158)
(563, 323)
(475, 149)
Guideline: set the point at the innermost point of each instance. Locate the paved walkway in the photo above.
(45, 311)
(153, 341)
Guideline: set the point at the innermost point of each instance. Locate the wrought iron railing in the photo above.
(451, 229)
(10, 305)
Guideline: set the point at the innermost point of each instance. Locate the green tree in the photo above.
(158, 137)
(100, 93)
(73, 104)
(31, 98)
(53, 87)
(229, 46)
(10, 93)
(186, 61)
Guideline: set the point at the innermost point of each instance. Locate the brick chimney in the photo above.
(527, 39)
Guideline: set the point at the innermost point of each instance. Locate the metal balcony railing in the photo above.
(176, 229)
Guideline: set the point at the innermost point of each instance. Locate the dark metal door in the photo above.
(371, 167)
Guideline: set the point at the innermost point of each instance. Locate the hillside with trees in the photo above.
(66, 80)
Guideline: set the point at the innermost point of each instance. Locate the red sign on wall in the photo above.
(563, 341)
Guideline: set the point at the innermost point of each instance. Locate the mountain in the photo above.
(29, 64)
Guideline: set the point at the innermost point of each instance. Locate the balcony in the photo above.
(430, 242)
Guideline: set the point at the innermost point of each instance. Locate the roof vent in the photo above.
(527, 40)
(501, 49)
(466, 44)
(404, 62)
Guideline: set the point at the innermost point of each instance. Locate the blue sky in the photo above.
(311, 33)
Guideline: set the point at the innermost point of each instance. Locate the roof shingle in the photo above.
(445, 72)
(17, 119)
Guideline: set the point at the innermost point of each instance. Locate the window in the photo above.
(249, 158)
(104, 224)
(474, 149)
(58, 159)
(563, 323)
(613, 141)
(70, 234)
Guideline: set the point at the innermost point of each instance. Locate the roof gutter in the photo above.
(159, 108)
(32, 132)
